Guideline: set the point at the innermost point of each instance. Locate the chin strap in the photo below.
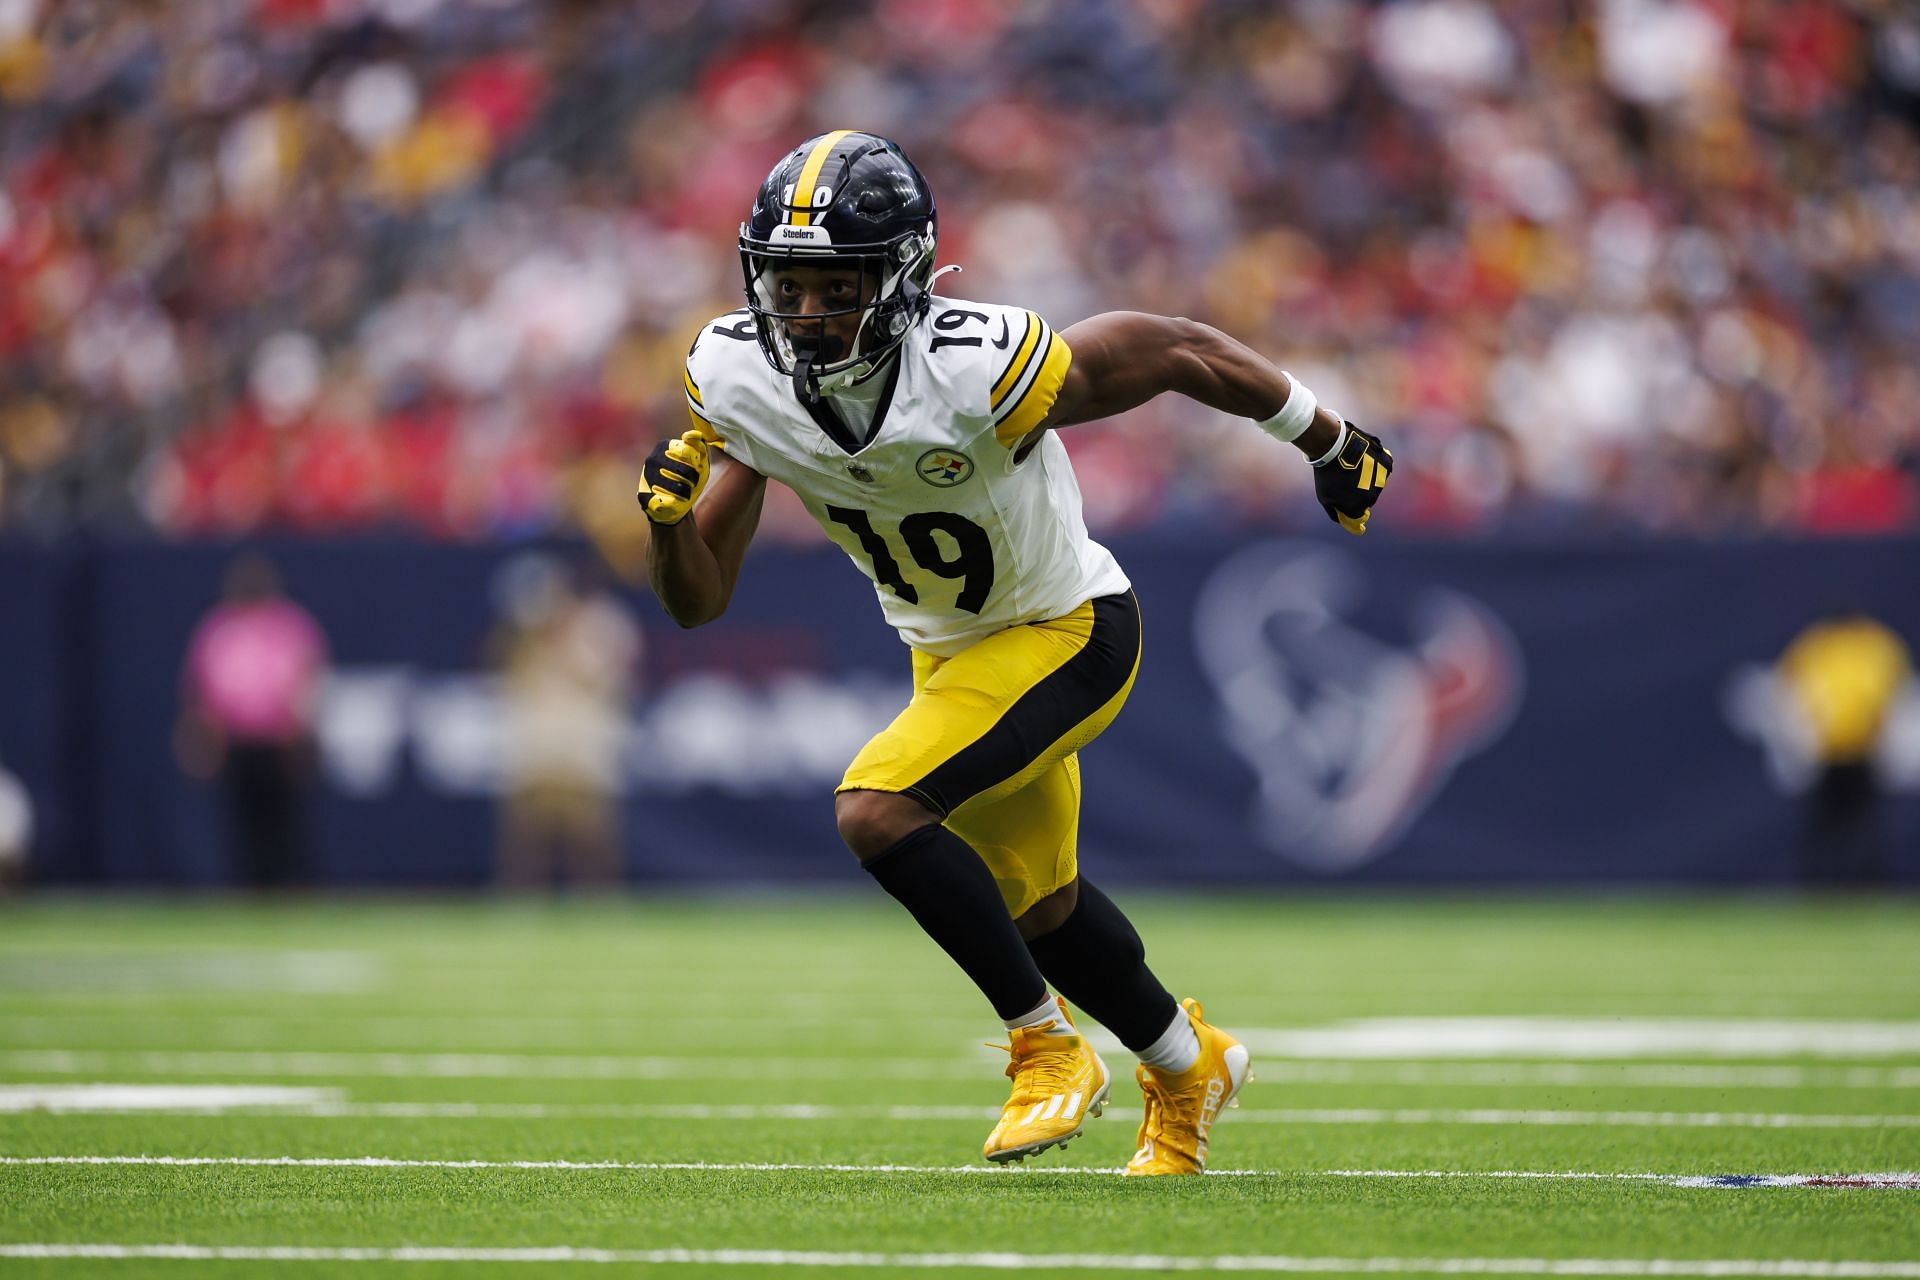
(804, 385)
(807, 387)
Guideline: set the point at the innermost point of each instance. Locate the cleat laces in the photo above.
(1159, 1101)
(1166, 1117)
(1039, 1070)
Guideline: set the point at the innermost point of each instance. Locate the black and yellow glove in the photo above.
(1348, 481)
(672, 477)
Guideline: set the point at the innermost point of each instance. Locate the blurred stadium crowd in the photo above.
(351, 264)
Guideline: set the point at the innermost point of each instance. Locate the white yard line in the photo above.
(1589, 1038)
(190, 972)
(1581, 1075)
(227, 1099)
(1580, 1040)
(503, 1066)
(197, 1099)
(472, 1064)
(1630, 1119)
(999, 1261)
(1892, 1181)
(1903, 1181)
(530, 1029)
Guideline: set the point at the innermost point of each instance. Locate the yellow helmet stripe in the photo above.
(810, 176)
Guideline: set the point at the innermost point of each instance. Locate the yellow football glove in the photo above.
(672, 477)
(1350, 481)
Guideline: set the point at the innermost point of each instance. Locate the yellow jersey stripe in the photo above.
(702, 425)
(693, 388)
(1040, 394)
(810, 176)
(1028, 376)
(1029, 338)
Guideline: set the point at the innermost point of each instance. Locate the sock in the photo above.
(948, 890)
(1041, 1014)
(1097, 961)
(1176, 1050)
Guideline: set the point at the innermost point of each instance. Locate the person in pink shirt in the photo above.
(252, 674)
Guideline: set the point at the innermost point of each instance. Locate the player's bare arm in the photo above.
(1122, 359)
(694, 556)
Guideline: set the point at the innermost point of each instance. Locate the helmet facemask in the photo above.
(892, 280)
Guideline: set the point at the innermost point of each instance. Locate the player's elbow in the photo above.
(688, 618)
(1195, 339)
(1186, 331)
(689, 607)
(1194, 351)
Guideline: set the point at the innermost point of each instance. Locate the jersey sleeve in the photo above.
(696, 402)
(704, 380)
(1026, 383)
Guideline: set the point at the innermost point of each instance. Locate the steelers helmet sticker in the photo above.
(944, 468)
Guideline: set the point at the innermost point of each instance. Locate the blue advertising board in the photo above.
(1310, 709)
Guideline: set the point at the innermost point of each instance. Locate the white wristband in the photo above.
(1295, 416)
(1334, 452)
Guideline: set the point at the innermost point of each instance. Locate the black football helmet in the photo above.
(849, 201)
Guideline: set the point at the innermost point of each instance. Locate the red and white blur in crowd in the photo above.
(336, 265)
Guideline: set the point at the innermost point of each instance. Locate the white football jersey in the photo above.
(961, 536)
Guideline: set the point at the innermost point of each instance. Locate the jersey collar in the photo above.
(836, 429)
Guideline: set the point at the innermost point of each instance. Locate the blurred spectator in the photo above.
(253, 670)
(566, 652)
(338, 266)
(1845, 674)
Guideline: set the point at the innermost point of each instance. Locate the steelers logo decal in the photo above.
(944, 468)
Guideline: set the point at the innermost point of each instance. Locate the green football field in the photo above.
(799, 1085)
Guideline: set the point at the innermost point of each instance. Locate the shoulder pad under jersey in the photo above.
(1001, 364)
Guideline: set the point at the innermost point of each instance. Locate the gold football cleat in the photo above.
(1181, 1109)
(1058, 1081)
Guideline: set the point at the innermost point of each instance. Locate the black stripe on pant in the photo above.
(1044, 714)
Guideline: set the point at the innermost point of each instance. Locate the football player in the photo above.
(920, 431)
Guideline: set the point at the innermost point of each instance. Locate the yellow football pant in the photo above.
(989, 740)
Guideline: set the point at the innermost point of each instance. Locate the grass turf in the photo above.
(838, 1003)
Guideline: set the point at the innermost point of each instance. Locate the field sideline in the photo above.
(798, 1085)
